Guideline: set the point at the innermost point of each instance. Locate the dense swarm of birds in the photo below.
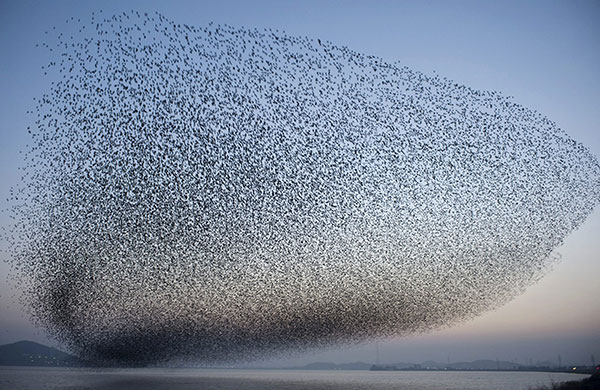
(218, 193)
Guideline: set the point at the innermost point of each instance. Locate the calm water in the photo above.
(24, 378)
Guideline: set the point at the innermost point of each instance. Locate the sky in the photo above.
(545, 54)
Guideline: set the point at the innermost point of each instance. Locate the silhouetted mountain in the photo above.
(28, 353)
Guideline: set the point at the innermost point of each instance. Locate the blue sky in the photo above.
(546, 54)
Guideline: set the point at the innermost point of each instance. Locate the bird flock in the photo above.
(222, 194)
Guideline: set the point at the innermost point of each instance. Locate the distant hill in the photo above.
(426, 365)
(28, 353)
(474, 365)
(484, 365)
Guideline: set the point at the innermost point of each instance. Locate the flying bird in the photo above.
(219, 193)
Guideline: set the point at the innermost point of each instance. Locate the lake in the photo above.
(36, 378)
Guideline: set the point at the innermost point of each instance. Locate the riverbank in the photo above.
(591, 383)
